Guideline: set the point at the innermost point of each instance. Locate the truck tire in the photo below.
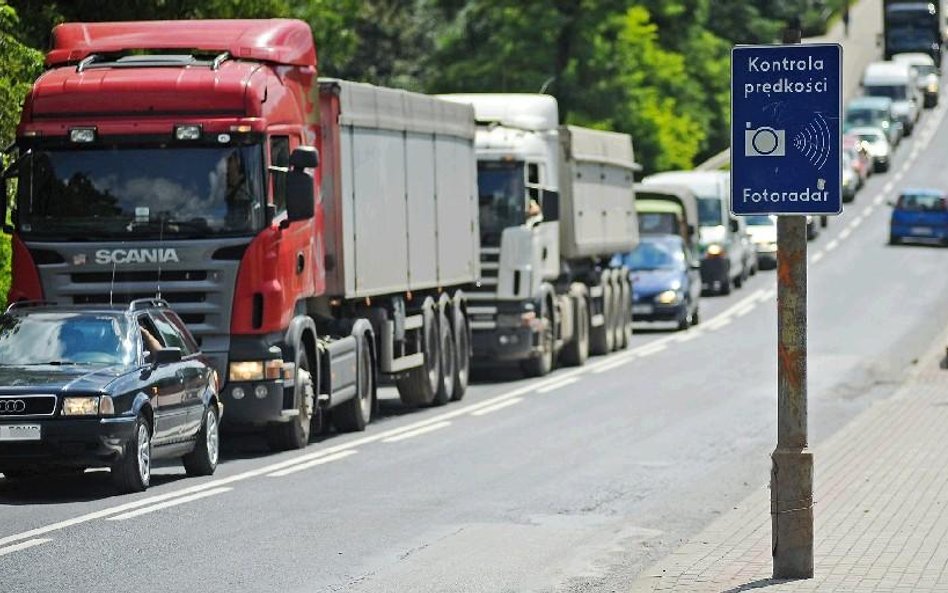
(355, 414)
(419, 386)
(448, 351)
(602, 338)
(541, 365)
(576, 351)
(462, 349)
(284, 436)
(623, 310)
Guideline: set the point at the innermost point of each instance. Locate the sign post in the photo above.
(786, 103)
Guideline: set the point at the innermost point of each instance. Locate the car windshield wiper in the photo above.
(55, 363)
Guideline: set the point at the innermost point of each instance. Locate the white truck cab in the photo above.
(899, 82)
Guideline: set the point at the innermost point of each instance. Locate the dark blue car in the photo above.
(666, 280)
(920, 215)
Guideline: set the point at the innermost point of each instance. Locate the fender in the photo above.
(299, 325)
(547, 293)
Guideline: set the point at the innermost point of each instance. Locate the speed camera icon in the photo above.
(764, 141)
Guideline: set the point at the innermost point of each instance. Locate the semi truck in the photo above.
(910, 26)
(555, 204)
(314, 234)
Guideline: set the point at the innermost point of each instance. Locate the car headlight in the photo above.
(933, 87)
(88, 405)
(715, 250)
(255, 370)
(668, 297)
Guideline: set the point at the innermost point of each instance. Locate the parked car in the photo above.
(104, 386)
(763, 233)
(877, 144)
(873, 112)
(928, 77)
(666, 281)
(898, 82)
(719, 233)
(920, 215)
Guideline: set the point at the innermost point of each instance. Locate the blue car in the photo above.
(920, 215)
(666, 280)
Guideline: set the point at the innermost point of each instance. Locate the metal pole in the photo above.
(791, 475)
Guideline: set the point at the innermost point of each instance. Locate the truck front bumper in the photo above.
(503, 343)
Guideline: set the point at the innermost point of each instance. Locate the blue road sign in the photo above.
(786, 148)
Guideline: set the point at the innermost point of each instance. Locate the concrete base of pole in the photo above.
(791, 511)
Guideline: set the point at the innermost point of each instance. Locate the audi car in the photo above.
(104, 386)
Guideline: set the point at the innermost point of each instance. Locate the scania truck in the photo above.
(910, 26)
(556, 203)
(313, 234)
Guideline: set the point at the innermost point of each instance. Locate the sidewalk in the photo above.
(881, 508)
(859, 49)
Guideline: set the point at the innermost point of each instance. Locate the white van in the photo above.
(899, 82)
(724, 261)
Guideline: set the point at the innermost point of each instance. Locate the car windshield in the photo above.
(710, 211)
(758, 220)
(46, 338)
(894, 92)
(925, 69)
(502, 198)
(655, 255)
(869, 137)
(658, 222)
(861, 116)
(146, 193)
(921, 203)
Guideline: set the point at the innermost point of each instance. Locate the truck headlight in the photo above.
(668, 297)
(81, 406)
(714, 250)
(255, 370)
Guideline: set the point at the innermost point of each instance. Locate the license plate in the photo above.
(921, 230)
(641, 309)
(20, 432)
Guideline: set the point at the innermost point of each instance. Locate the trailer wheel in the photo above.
(294, 434)
(448, 351)
(419, 386)
(623, 309)
(601, 337)
(354, 414)
(538, 366)
(462, 350)
(576, 352)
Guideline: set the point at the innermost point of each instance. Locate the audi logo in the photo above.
(12, 406)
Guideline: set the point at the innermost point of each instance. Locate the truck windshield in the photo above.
(710, 212)
(502, 197)
(148, 193)
(894, 92)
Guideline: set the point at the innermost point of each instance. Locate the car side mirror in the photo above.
(734, 225)
(166, 356)
(890, 203)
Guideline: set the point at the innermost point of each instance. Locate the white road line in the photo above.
(854, 223)
(169, 503)
(320, 461)
(887, 187)
(816, 257)
(500, 406)
(555, 386)
(868, 210)
(758, 295)
(898, 176)
(767, 295)
(688, 336)
(845, 233)
(744, 311)
(417, 433)
(652, 349)
(718, 323)
(22, 546)
(831, 245)
(879, 199)
(615, 364)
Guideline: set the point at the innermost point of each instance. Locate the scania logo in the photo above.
(160, 255)
(12, 406)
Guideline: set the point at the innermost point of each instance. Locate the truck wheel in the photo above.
(448, 353)
(354, 414)
(202, 461)
(294, 434)
(576, 351)
(132, 473)
(541, 365)
(601, 337)
(462, 350)
(419, 386)
(624, 311)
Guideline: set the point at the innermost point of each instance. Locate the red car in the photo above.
(861, 159)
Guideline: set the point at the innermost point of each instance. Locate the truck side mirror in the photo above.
(304, 157)
(550, 204)
(300, 193)
(733, 224)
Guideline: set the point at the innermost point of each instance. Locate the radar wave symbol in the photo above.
(813, 141)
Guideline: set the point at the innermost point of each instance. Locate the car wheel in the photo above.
(202, 460)
(725, 288)
(132, 473)
(684, 321)
(696, 316)
(893, 240)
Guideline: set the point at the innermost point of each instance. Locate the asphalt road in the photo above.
(574, 482)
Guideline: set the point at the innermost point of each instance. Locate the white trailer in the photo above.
(555, 203)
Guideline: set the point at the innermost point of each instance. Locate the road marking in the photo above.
(615, 364)
(887, 187)
(169, 503)
(500, 406)
(854, 223)
(417, 432)
(744, 311)
(868, 210)
(718, 323)
(688, 336)
(319, 461)
(555, 386)
(898, 176)
(652, 349)
(878, 199)
(816, 257)
(831, 245)
(845, 233)
(22, 546)
(767, 295)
